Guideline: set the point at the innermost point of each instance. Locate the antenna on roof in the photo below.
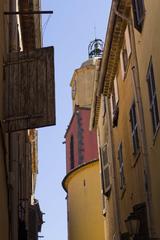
(95, 32)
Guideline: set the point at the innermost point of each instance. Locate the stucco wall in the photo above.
(89, 138)
(147, 45)
(82, 81)
(85, 219)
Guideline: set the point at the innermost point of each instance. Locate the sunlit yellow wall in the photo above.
(108, 202)
(134, 191)
(82, 84)
(147, 45)
(141, 170)
(85, 219)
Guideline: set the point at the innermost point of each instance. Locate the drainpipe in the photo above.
(113, 164)
(138, 94)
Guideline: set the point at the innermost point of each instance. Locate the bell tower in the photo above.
(82, 81)
(82, 180)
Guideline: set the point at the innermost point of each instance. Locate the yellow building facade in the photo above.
(125, 112)
(85, 219)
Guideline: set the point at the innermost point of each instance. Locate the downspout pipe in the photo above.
(113, 164)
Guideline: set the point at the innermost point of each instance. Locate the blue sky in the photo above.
(70, 30)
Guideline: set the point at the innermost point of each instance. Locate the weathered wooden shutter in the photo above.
(105, 171)
(29, 90)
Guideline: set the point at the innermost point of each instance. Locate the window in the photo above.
(125, 52)
(104, 109)
(114, 103)
(104, 106)
(124, 57)
(128, 41)
(138, 12)
(105, 171)
(72, 152)
(102, 185)
(134, 128)
(121, 167)
(74, 90)
(152, 97)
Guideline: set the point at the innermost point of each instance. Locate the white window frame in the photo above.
(134, 128)
(105, 166)
(121, 167)
(126, 47)
(153, 98)
(116, 95)
(128, 41)
(114, 100)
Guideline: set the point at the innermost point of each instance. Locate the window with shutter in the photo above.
(128, 41)
(121, 167)
(114, 103)
(29, 90)
(125, 52)
(124, 57)
(153, 98)
(138, 13)
(104, 106)
(102, 184)
(134, 128)
(105, 171)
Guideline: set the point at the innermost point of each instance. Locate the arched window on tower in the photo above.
(71, 152)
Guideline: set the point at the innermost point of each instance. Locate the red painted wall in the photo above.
(83, 138)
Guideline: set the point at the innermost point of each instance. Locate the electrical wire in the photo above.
(45, 25)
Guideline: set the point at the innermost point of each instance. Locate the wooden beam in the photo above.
(28, 12)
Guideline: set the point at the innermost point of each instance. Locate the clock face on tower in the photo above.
(74, 90)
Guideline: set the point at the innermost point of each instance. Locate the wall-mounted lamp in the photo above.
(132, 224)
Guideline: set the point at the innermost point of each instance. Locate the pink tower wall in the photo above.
(89, 152)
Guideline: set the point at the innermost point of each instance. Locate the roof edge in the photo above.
(83, 165)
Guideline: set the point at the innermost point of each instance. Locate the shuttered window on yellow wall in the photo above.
(105, 170)
(125, 52)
